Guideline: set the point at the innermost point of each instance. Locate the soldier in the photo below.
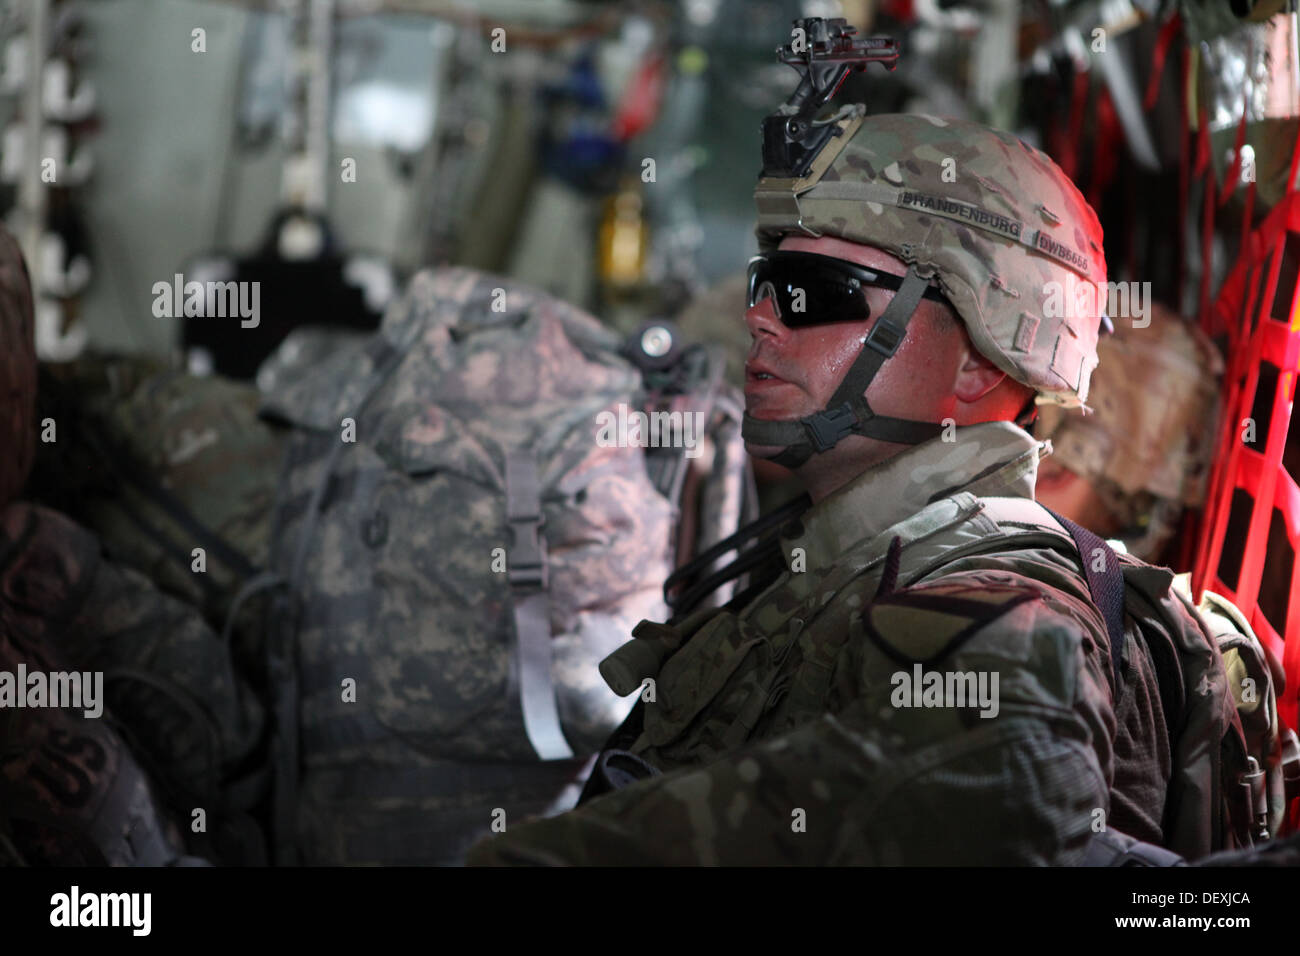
(929, 679)
(71, 791)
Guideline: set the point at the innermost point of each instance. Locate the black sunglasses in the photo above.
(811, 289)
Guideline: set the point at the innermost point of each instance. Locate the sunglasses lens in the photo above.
(807, 295)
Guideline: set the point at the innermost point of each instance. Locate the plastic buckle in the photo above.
(526, 563)
(827, 428)
(1252, 782)
(885, 337)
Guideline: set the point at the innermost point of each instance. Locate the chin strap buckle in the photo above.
(827, 428)
(885, 337)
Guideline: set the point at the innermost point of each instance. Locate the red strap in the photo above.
(1068, 158)
(1202, 143)
(1232, 175)
(640, 103)
(1164, 40)
(1107, 143)
(1248, 212)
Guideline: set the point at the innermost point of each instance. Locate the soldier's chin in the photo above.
(763, 451)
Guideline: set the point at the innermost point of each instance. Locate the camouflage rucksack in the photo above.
(1233, 765)
(175, 473)
(1267, 769)
(464, 528)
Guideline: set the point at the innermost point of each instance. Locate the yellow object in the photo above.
(624, 238)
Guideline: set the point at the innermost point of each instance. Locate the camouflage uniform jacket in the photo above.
(783, 721)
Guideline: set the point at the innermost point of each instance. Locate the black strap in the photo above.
(1106, 588)
(757, 527)
(848, 413)
(753, 557)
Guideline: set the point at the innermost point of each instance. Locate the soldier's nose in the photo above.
(761, 318)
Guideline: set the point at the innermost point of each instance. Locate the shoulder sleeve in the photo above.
(1062, 590)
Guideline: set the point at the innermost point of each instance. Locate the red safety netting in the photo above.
(1251, 529)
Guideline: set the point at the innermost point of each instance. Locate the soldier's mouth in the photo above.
(758, 372)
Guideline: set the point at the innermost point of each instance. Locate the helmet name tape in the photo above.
(956, 209)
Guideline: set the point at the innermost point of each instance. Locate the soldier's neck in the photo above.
(830, 471)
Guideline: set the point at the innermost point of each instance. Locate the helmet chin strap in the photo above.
(847, 413)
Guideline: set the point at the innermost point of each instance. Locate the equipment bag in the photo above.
(465, 526)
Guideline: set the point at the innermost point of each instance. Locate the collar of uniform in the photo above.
(991, 458)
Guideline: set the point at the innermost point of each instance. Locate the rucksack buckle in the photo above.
(526, 561)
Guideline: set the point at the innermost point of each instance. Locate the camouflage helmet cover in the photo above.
(1010, 240)
(1155, 404)
(17, 370)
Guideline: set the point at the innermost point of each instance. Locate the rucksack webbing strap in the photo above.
(527, 574)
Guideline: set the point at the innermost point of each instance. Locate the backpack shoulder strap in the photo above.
(1023, 520)
(1106, 587)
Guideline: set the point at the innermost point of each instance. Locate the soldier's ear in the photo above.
(976, 377)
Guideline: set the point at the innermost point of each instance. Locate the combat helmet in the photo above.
(991, 221)
(17, 370)
(1148, 443)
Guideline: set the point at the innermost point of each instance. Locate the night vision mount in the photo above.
(825, 52)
